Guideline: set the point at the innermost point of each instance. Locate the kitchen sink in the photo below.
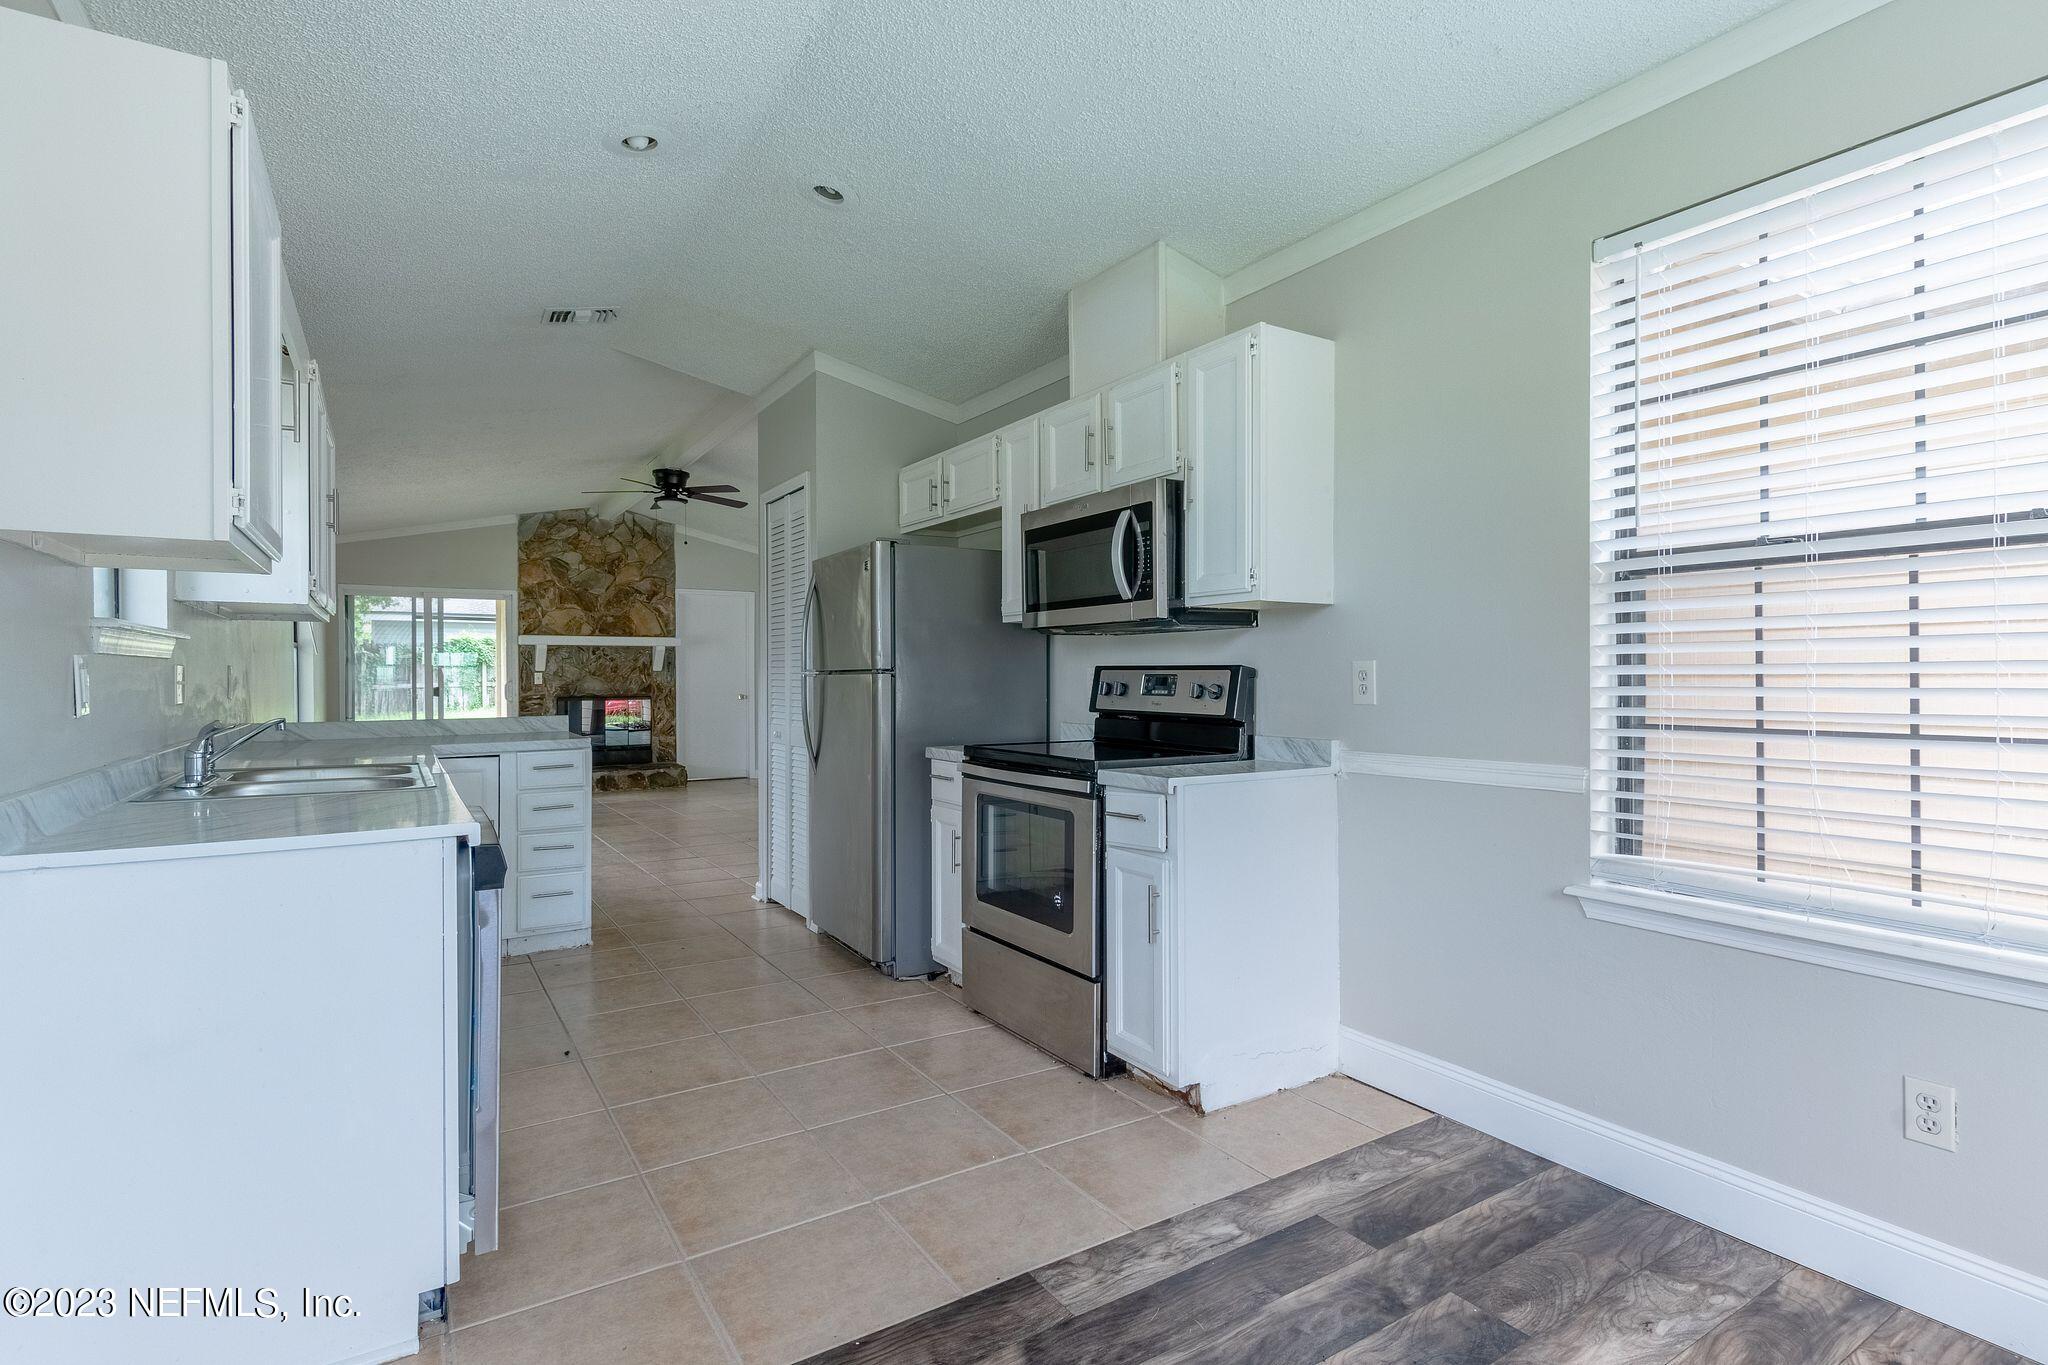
(291, 780)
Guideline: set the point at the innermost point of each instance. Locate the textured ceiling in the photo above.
(447, 171)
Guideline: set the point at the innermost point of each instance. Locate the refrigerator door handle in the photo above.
(810, 611)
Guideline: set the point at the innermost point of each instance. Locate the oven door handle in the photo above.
(1126, 521)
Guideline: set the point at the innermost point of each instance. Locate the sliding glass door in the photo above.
(426, 657)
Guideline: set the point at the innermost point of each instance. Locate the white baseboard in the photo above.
(1965, 1290)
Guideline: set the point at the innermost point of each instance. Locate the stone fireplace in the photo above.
(581, 575)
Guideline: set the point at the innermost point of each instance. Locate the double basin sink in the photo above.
(299, 780)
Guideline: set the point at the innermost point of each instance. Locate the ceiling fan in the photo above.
(673, 485)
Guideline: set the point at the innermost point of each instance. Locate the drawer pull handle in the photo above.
(553, 848)
(559, 805)
(550, 767)
(550, 895)
(1124, 815)
(943, 778)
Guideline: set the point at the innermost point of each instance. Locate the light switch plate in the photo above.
(81, 687)
(177, 684)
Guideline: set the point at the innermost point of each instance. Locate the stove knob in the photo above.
(1121, 688)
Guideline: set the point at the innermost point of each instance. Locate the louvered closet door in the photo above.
(788, 793)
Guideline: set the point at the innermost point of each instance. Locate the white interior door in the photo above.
(786, 792)
(715, 682)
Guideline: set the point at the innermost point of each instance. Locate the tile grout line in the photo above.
(703, 1297)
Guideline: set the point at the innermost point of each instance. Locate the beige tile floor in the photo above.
(726, 1139)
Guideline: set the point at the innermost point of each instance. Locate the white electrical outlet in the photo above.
(81, 687)
(1365, 682)
(1931, 1113)
(177, 684)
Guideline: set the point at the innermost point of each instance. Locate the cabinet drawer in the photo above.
(945, 783)
(551, 849)
(562, 808)
(551, 900)
(553, 768)
(1133, 819)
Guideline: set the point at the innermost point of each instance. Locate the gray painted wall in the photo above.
(234, 671)
(479, 559)
(1462, 516)
(701, 564)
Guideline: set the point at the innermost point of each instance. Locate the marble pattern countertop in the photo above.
(90, 818)
(947, 753)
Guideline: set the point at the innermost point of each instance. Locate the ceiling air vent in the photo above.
(562, 316)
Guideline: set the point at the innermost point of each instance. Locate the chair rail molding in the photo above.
(1481, 772)
(1998, 1302)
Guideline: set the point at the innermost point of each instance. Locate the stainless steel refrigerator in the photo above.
(904, 646)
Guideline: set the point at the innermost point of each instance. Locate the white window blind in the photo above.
(1820, 539)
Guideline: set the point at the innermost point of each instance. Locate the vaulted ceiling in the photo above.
(449, 171)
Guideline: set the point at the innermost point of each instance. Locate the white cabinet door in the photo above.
(1068, 463)
(475, 780)
(1138, 932)
(970, 476)
(1222, 487)
(946, 886)
(917, 493)
(264, 340)
(789, 760)
(1141, 426)
(1019, 445)
(126, 361)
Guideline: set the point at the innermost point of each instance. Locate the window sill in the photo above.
(138, 641)
(2015, 976)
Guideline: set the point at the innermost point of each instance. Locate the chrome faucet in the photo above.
(203, 751)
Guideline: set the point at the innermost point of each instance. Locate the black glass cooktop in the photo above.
(1082, 757)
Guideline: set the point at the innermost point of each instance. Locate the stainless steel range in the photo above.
(1031, 878)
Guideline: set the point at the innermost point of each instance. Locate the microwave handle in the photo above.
(1126, 521)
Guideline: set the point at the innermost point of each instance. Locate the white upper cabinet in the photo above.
(955, 483)
(1018, 444)
(1141, 426)
(1069, 463)
(299, 585)
(130, 409)
(917, 493)
(970, 477)
(1260, 466)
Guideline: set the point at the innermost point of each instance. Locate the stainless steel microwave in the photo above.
(1110, 564)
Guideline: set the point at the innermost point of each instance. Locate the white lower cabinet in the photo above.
(945, 864)
(946, 833)
(540, 801)
(1138, 930)
(1219, 904)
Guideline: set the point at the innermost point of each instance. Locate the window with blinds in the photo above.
(1820, 538)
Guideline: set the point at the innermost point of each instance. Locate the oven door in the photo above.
(1101, 559)
(1029, 866)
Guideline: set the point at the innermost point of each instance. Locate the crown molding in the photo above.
(817, 362)
(1764, 37)
(430, 529)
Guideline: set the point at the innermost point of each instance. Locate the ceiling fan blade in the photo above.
(713, 488)
(695, 496)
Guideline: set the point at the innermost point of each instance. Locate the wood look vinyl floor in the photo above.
(1432, 1244)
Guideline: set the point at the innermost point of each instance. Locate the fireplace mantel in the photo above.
(660, 644)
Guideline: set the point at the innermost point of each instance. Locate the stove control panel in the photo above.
(1208, 692)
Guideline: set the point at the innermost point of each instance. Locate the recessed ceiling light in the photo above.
(639, 142)
(828, 194)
